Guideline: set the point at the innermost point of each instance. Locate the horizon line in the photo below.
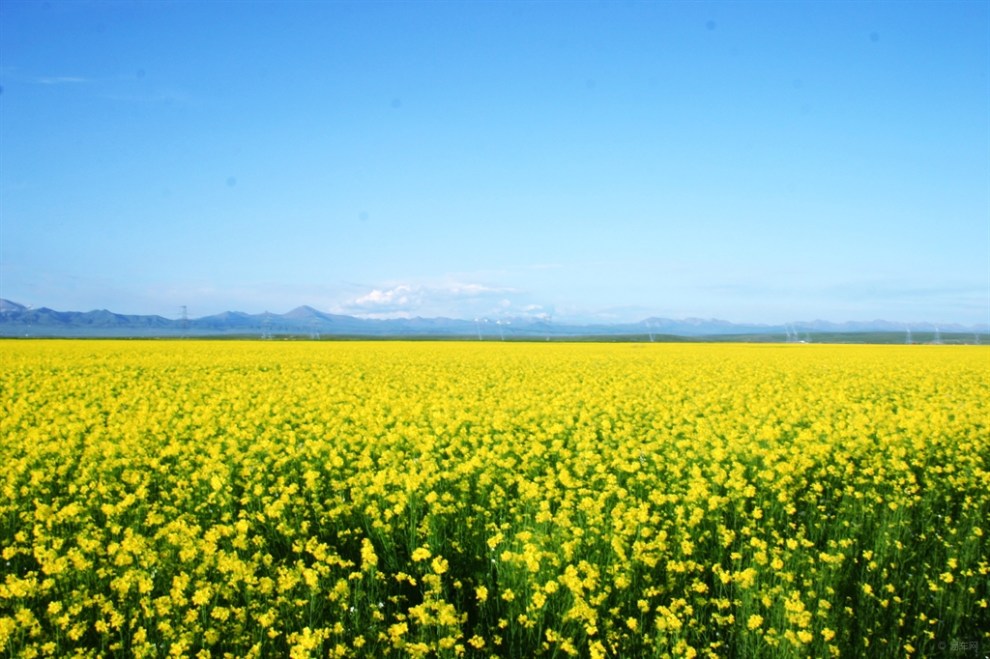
(544, 318)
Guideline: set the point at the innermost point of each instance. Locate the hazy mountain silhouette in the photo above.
(19, 320)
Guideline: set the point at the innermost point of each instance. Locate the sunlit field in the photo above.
(270, 499)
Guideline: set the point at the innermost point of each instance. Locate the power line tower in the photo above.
(266, 326)
(184, 320)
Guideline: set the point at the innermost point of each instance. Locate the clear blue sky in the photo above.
(766, 162)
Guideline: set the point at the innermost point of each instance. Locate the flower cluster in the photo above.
(263, 499)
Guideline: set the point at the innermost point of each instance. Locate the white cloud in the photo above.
(398, 296)
(61, 80)
(471, 289)
(127, 89)
(457, 299)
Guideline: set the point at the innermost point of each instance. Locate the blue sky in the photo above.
(764, 162)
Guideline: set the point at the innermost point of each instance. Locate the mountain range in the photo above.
(17, 320)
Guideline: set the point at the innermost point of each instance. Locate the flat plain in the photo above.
(271, 498)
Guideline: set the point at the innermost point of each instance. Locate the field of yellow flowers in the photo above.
(268, 499)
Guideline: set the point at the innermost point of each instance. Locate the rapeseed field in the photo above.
(314, 499)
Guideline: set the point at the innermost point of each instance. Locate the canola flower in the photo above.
(262, 499)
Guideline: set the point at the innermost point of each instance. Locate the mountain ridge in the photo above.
(20, 320)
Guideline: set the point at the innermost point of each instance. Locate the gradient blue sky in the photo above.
(765, 162)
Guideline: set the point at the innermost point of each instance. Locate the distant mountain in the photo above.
(19, 320)
(705, 327)
(885, 326)
(49, 322)
(6, 306)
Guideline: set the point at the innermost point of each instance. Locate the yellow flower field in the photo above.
(197, 498)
